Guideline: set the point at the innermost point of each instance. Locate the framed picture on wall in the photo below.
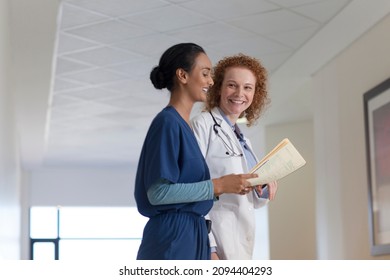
(377, 128)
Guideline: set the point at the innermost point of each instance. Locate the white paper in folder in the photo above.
(283, 160)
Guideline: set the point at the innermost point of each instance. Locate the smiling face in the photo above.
(237, 91)
(200, 79)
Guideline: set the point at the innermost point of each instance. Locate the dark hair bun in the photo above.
(157, 78)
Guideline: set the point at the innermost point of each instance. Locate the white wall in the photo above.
(33, 26)
(30, 39)
(81, 187)
(9, 166)
(342, 192)
(292, 224)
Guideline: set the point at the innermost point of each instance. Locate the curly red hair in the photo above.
(260, 97)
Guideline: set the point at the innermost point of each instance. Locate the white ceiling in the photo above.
(101, 100)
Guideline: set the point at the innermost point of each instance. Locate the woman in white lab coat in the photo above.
(239, 91)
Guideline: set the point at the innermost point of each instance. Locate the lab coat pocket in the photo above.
(225, 228)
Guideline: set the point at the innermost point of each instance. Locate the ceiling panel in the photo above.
(228, 9)
(157, 19)
(321, 11)
(115, 8)
(69, 43)
(110, 31)
(274, 22)
(103, 56)
(75, 16)
(218, 29)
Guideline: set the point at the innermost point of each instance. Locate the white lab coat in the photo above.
(233, 217)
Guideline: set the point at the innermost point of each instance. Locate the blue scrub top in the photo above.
(171, 152)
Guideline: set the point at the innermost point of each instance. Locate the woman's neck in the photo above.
(182, 106)
(232, 117)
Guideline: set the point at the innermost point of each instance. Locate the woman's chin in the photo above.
(237, 109)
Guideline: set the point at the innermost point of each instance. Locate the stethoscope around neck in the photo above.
(229, 148)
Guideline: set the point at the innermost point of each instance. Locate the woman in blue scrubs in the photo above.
(173, 186)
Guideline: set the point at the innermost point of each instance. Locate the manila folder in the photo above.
(280, 162)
